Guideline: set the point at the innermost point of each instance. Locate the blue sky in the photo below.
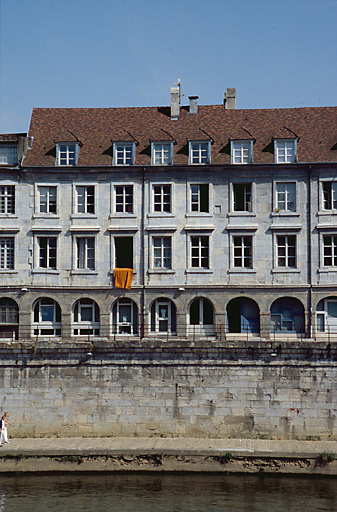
(106, 53)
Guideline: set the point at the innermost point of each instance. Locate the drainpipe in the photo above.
(142, 257)
(310, 326)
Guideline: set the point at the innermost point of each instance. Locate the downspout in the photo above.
(310, 326)
(142, 257)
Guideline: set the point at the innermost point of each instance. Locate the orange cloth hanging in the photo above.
(123, 277)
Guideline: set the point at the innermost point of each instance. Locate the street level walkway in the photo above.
(133, 446)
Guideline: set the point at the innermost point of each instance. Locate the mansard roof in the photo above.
(314, 127)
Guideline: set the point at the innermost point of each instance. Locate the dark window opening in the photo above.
(242, 197)
(124, 252)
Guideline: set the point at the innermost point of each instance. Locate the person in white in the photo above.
(3, 426)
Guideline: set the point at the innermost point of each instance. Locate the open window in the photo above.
(47, 318)
(123, 251)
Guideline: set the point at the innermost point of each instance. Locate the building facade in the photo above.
(225, 219)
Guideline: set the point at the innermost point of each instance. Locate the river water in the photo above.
(154, 492)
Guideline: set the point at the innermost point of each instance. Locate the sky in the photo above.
(118, 53)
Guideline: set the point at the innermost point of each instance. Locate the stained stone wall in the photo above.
(200, 391)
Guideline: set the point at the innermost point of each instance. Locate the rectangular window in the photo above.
(200, 198)
(123, 251)
(285, 151)
(47, 252)
(7, 199)
(162, 252)
(243, 256)
(199, 153)
(162, 198)
(286, 197)
(85, 253)
(124, 198)
(242, 197)
(66, 154)
(199, 251)
(8, 155)
(242, 152)
(124, 154)
(330, 250)
(85, 199)
(161, 154)
(329, 189)
(286, 251)
(47, 197)
(6, 253)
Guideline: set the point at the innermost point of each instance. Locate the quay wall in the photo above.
(180, 389)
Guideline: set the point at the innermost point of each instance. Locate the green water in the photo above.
(166, 492)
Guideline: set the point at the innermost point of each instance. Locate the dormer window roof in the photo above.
(67, 149)
(124, 148)
(199, 145)
(162, 148)
(285, 146)
(242, 147)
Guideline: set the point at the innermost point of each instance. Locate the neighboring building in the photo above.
(227, 217)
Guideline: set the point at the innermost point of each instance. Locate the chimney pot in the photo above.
(230, 99)
(193, 104)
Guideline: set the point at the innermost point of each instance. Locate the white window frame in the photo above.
(38, 188)
(121, 152)
(234, 257)
(158, 253)
(196, 250)
(7, 253)
(196, 151)
(161, 153)
(124, 196)
(158, 319)
(332, 195)
(246, 195)
(8, 154)
(41, 325)
(287, 246)
(86, 195)
(288, 193)
(67, 151)
(162, 201)
(7, 199)
(48, 237)
(333, 246)
(195, 198)
(124, 327)
(86, 325)
(241, 152)
(285, 151)
(81, 244)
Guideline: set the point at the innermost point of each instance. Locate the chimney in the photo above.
(229, 99)
(175, 100)
(193, 104)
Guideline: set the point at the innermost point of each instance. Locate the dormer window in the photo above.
(124, 153)
(241, 151)
(8, 155)
(161, 153)
(67, 154)
(199, 152)
(285, 151)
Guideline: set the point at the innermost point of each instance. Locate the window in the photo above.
(125, 317)
(200, 152)
(242, 197)
(67, 154)
(285, 151)
(124, 198)
(47, 252)
(243, 251)
(163, 316)
(47, 318)
(162, 153)
(200, 251)
(286, 251)
(286, 197)
(47, 199)
(6, 253)
(201, 318)
(86, 318)
(329, 189)
(7, 199)
(162, 198)
(85, 247)
(200, 198)
(162, 252)
(330, 250)
(124, 153)
(242, 152)
(123, 252)
(85, 199)
(8, 155)
(9, 318)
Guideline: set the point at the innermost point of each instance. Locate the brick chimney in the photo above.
(175, 100)
(229, 99)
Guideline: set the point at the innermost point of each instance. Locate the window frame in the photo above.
(287, 194)
(197, 249)
(5, 254)
(48, 213)
(48, 237)
(7, 199)
(246, 210)
(332, 193)
(242, 257)
(67, 152)
(124, 203)
(41, 325)
(191, 149)
(154, 149)
(89, 327)
(198, 202)
(242, 145)
(85, 204)
(116, 150)
(162, 202)
(83, 239)
(278, 143)
(333, 255)
(4, 159)
(162, 248)
(287, 256)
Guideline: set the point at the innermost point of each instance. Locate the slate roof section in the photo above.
(316, 128)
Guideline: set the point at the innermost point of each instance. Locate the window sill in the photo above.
(84, 272)
(8, 216)
(327, 270)
(121, 215)
(241, 270)
(242, 214)
(285, 214)
(199, 214)
(160, 215)
(9, 271)
(46, 216)
(45, 271)
(83, 216)
(198, 271)
(112, 271)
(326, 212)
(285, 270)
(161, 271)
